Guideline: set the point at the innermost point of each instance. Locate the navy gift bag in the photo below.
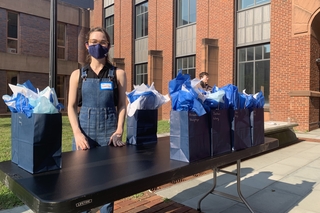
(220, 131)
(257, 126)
(240, 129)
(189, 136)
(36, 141)
(142, 127)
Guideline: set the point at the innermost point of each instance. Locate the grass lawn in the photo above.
(7, 198)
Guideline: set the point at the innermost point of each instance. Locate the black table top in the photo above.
(92, 178)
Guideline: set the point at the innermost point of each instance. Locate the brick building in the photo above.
(25, 42)
(258, 45)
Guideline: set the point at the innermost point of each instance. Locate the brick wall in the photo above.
(281, 68)
(72, 43)
(314, 115)
(296, 78)
(221, 27)
(314, 67)
(35, 39)
(34, 45)
(82, 51)
(96, 16)
(164, 34)
(123, 41)
(39, 80)
(35, 35)
(292, 68)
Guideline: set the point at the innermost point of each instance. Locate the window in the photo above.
(187, 65)
(12, 78)
(141, 74)
(186, 12)
(254, 70)
(142, 20)
(12, 32)
(243, 4)
(60, 89)
(109, 25)
(61, 40)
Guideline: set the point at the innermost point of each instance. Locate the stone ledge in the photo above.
(276, 126)
(283, 131)
(304, 93)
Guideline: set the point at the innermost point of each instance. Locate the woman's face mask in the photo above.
(98, 51)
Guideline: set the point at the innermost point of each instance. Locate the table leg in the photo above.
(229, 196)
(239, 188)
(211, 190)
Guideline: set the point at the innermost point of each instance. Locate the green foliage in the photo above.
(137, 196)
(7, 198)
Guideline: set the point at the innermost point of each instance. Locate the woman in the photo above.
(102, 99)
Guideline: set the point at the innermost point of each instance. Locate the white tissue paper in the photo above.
(148, 101)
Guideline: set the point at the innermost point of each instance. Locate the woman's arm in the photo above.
(81, 141)
(121, 108)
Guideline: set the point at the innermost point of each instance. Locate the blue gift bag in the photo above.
(142, 127)
(220, 131)
(189, 136)
(36, 141)
(240, 129)
(257, 126)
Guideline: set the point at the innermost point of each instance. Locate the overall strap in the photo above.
(111, 73)
(84, 73)
(112, 76)
(82, 77)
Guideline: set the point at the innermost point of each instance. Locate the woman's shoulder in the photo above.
(75, 73)
(120, 73)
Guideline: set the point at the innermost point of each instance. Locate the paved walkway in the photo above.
(282, 181)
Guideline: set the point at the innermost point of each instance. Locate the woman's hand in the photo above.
(81, 141)
(116, 140)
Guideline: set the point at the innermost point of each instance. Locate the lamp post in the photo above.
(53, 45)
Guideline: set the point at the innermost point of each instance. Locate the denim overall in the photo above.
(98, 117)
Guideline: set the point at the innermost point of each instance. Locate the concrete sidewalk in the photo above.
(285, 180)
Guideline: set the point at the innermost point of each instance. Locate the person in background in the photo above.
(99, 90)
(204, 77)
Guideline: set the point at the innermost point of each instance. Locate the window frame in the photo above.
(144, 73)
(11, 49)
(59, 46)
(255, 4)
(242, 59)
(180, 15)
(186, 69)
(141, 28)
(110, 26)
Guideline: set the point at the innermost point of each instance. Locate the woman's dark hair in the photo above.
(102, 30)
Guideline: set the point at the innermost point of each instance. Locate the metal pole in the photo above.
(53, 45)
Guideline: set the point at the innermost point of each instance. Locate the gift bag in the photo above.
(220, 131)
(14, 137)
(142, 127)
(240, 129)
(257, 126)
(36, 141)
(189, 136)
